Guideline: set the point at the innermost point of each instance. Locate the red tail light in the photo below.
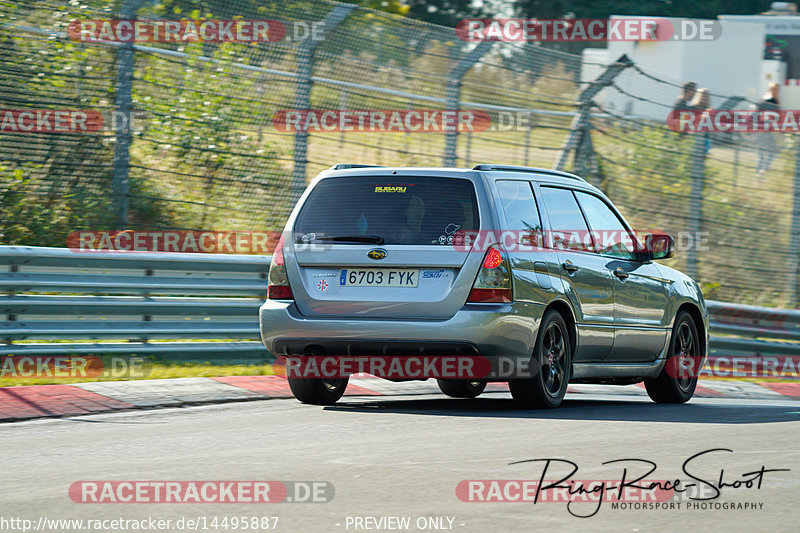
(493, 259)
(490, 296)
(493, 284)
(279, 292)
(278, 284)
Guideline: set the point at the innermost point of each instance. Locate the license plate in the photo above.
(378, 277)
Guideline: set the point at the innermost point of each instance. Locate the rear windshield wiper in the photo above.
(370, 239)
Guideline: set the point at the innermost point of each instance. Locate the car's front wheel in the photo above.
(678, 379)
(318, 391)
(551, 366)
(461, 388)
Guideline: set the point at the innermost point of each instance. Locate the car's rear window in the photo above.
(399, 210)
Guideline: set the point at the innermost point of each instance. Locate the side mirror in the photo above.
(658, 246)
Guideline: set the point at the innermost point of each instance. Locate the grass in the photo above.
(154, 371)
(754, 380)
(194, 370)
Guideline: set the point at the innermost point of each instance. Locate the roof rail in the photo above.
(512, 168)
(343, 166)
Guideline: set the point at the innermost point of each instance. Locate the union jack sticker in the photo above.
(322, 285)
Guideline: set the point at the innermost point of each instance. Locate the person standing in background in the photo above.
(688, 90)
(683, 103)
(700, 104)
(701, 101)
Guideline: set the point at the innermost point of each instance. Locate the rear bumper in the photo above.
(360, 347)
(487, 330)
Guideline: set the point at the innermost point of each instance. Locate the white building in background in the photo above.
(751, 52)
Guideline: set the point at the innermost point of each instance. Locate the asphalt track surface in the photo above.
(403, 456)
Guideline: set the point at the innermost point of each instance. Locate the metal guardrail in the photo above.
(753, 331)
(161, 304)
(171, 305)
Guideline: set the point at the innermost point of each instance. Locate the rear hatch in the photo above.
(383, 247)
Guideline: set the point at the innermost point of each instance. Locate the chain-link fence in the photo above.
(200, 135)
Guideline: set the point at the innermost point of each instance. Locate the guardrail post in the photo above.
(579, 136)
(794, 234)
(123, 105)
(453, 94)
(302, 101)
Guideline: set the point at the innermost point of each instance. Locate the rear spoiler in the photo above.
(343, 166)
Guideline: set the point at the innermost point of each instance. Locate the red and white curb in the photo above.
(41, 401)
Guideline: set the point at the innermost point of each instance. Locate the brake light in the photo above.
(278, 283)
(493, 283)
(493, 259)
(277, 254)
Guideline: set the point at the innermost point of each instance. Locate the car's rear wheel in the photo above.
(551, 365)
(461, 388)
(678, 379)
(318, 391)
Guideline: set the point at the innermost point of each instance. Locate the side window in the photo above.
(610, 234)
(522, 215)
(569, 230)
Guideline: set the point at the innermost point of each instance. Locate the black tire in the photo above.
(461, 388)
(551, 364)
(678, 379)
(318, 391)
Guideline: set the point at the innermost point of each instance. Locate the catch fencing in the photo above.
(195, 136)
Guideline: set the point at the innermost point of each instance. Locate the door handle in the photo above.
(569, 267)
(621, 274)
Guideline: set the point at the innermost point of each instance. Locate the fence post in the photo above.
(302, 101)
(794, 234)
(123, 105)
(527, 144)
(584, 153)
(453, 94)
(579, 138)
(697, 171)
(342, 106)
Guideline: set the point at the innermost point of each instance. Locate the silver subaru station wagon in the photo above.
(499, 263)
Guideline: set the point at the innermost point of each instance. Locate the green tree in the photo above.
(445, 12)
(53, 183)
